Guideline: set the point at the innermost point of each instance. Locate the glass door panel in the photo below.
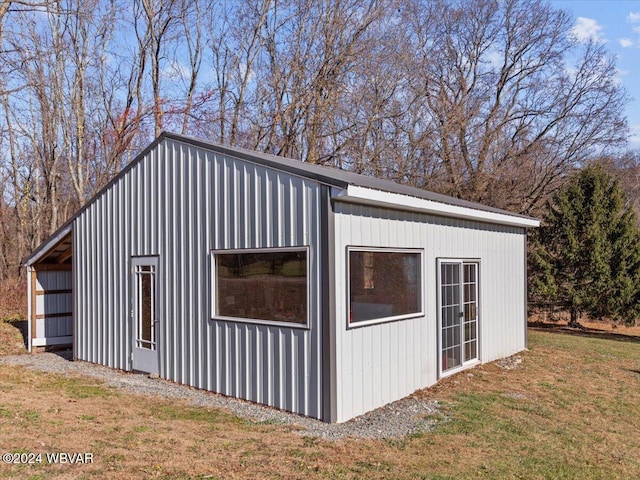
(144, 314)
(458, 313)
(450, 316)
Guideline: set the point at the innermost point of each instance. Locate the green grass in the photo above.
(580, 400)
(77, 388)
(571, 411)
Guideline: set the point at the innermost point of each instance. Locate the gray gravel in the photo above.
(395, 420)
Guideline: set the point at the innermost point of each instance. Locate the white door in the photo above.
(144, 314)
(458, 314)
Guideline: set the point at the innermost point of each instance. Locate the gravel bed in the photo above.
(397, 419)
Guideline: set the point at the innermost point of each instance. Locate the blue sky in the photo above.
(617, 23)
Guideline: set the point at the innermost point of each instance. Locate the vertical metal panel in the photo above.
(381, 363)
(50, 328)
(53, 280)
(327, 381)
(51, 303)
(180, 202)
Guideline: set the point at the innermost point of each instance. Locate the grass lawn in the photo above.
(570, 409)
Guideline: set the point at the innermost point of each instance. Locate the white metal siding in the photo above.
(52, 304)
(381, 363)
(53, 280)
(179, 203)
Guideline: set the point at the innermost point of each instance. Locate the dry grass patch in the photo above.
(569, 409)
(13, 292)
(11, 336)
(13, 325)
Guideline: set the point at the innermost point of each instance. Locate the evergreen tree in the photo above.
(586, 255)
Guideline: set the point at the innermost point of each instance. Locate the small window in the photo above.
(384, 285)
(267, 285)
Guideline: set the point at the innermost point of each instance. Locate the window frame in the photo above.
(259, 321)
(394, 318)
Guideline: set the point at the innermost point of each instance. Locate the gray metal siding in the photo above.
(52, 305)
(179, 203)
(381, 363)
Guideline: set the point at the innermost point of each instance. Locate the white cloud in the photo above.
(626, 42)
(634, 138)
(633, 17)
(176, 71)
(587, 29)
(636, 29)
(494, 58)
(620, 76)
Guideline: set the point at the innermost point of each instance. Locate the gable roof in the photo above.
(336, 177)
(355, 187)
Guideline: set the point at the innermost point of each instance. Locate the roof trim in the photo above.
(67, 226)
(319, 173)
(48, 244)
(369, 196)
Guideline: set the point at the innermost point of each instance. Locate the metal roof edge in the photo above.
(319, 173)
(341, 178)
(50, 242)
(368, 196)
(45, 245)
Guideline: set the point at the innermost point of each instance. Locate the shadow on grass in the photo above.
(23, 328)
(583, 332)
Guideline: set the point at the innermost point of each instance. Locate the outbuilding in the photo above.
(307, 288)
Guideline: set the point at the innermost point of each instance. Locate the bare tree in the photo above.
(89, 26)
(40, 67)
(122, 105)
(22, 187)
(234, 43)
(311, 49)
(625, 166)
(192, 27)
(510, 119)
(490, 100)
(155, 21)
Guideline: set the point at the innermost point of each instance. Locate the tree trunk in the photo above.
(573, 322)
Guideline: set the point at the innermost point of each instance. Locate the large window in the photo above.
(267, 285)
(384, 285)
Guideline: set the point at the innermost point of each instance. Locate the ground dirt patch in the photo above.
(569, 407)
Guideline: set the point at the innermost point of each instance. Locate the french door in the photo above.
(458, 313)
(145, 314)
